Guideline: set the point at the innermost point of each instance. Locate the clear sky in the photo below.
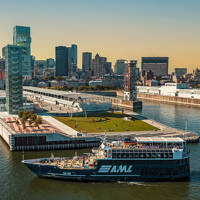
(116, 29)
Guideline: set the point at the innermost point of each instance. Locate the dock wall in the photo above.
(44, 141)
(170, 99)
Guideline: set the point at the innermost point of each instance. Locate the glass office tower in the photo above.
(86, 61)
(72, 58)
(22, 37)
(62, 65)
(13, 69)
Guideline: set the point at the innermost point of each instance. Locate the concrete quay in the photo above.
(51, 135)
(170, 99)
(165, 131)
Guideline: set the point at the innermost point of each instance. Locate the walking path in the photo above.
(66, 129)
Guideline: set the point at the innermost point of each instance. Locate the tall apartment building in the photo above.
(100, 66)
(50, 63)
(158, 65)
(86, 62)
(72, 57)
(22, 37)
(130, 78)
(41, 66)
(62, 64)
(121, 67)
(13, 67)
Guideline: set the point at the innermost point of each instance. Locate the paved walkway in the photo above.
(66, 129)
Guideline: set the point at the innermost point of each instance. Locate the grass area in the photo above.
(111, 122)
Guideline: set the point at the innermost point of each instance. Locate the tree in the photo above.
(38, 121)
(33, 117)
(24, 126)
(20, 114)
(23, 123)
(25, 116)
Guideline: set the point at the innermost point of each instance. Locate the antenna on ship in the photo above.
(105, 135)
(52, 156)
(23, 155)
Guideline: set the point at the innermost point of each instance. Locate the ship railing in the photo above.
(142, 150)
(155, 154)
(146, 146)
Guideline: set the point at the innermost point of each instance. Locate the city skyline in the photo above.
(128, 30)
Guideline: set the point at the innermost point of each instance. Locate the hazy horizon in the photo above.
(115, 29)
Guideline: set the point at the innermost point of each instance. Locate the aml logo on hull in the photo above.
(115, 169)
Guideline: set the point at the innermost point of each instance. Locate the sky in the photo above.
(116, 29)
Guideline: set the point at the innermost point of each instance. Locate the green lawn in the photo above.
(111, 122)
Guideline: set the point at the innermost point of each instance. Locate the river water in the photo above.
(17, 182)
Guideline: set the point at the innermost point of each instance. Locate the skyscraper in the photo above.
(22, 37)
(100, 66)
(41, 65)
(62, 63)
(13, 66)
(86, 61)
(72, 56)
(50, 63)
(120, 67)
(158, 65)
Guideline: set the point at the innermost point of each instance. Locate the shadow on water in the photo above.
(51, 189)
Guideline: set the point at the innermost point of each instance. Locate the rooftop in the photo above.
(159, 139)
(65, 94)
(44, 127)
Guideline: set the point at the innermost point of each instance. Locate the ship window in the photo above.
(118, 155)
(170, 155)
(114, 155)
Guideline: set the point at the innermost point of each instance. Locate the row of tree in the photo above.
(29, 116)
(86, 88)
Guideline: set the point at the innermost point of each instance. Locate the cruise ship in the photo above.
(138, 159)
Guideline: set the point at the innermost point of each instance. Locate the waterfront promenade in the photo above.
(164, 131)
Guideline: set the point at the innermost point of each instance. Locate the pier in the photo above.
(164, 131)
(49, 136)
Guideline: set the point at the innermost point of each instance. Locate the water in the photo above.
(17, 182)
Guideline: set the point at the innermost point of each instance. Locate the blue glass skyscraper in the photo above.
(13, 69)
(72, 59)
(22, 37)
(62, 64)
